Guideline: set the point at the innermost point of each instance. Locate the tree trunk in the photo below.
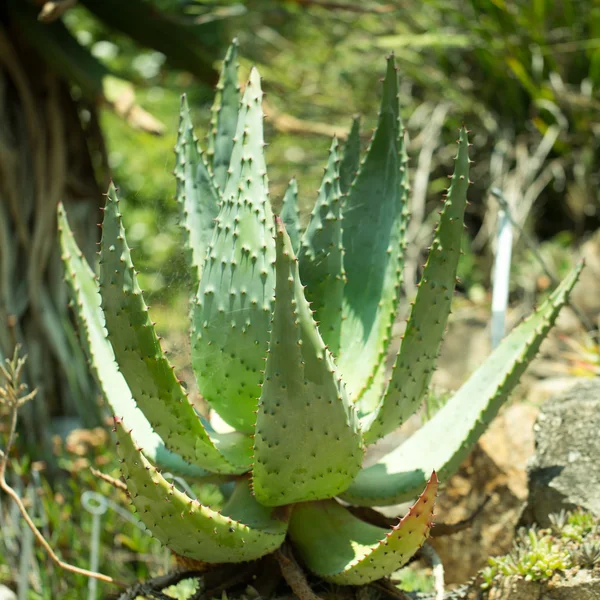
(51, 150)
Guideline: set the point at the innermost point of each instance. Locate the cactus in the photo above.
(290, 331)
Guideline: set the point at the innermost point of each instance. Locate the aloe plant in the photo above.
(290, 332)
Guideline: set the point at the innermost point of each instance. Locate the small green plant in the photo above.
(536, 556)
(580, 524)
(572, 540)
(588, 555)
(290, 330)
(583, 356)
(559, 520)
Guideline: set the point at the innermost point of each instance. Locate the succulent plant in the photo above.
(588, 555)
(290, 333)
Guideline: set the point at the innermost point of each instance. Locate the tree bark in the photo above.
(51, 150)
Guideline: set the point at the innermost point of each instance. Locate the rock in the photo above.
(7, 593)
(509, 442)
(583, 585)
(565, 471)
(496, 468)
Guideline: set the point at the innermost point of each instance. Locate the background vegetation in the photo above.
(523, 75)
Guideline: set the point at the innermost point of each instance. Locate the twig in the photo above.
(54, 9)
(374, 517)
(220, 580)
(430, 556)
(286, 123)
(293, 574)
(389, 589)
(13, 396)
(116, 483)
(154, 587)
(358, 7)
(517, 172)
(36, 532)
(443, 529)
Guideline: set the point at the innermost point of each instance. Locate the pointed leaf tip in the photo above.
(254, 77)
(322, 452)
(415, 362)
(197, 195)
(152, 381)
(290, 214)
(230, 334)
(85, 296)
(342, 549)
(223, 123)
(399, 475)
(375, 215)
(321, 254)
(241, 531)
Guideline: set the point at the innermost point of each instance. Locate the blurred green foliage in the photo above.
(510, 70)
(126, 552)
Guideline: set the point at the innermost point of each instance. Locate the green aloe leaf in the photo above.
(350, 156)
(86, 300)
(150, 377)
(197, 194)
(233, 307)
(223, 123)
(321, 255)
(416, 360)
(371, 397)
(307, 444)
(242, 531)
(446, 440)
(342, 549)
(375, 218)
(290, 214)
